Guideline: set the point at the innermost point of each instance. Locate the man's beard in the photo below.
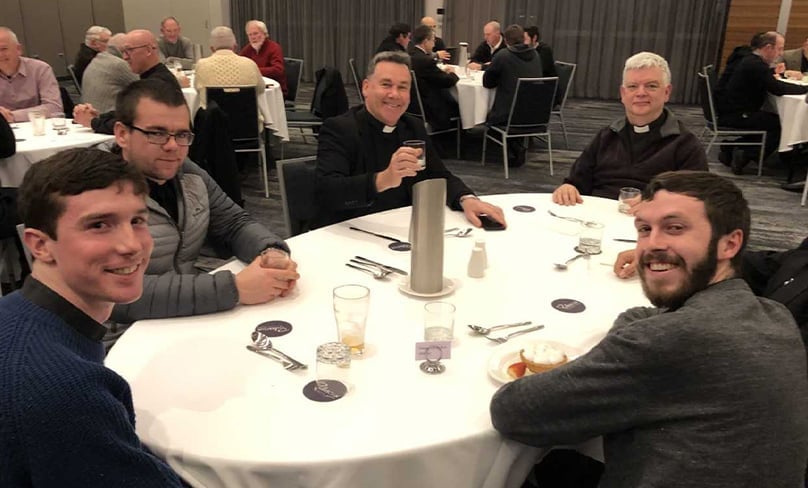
(697, 279)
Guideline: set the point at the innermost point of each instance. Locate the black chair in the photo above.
(718, 133)
(454, 55)
(420, 114)
(566, 72)
(213, 151)
(357, 82)
(72, 70)
(67, 102)
(529, 116)
(297, 179)
(241, 107)
(294, 72)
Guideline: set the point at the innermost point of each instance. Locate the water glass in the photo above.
(439, 321)
(418, 144)
(351, 304)
(274, 258)
(58, 121)
(591, 236)
(334, 363)
(628, 197)
(37, 119)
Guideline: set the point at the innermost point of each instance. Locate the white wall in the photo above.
(430, 9)
(197, 18)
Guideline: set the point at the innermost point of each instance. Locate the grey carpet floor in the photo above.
(778, 221)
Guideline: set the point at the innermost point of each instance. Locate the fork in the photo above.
(571, 219)
(503, 340)
(376, 272)
(455, 232)
(287, 365)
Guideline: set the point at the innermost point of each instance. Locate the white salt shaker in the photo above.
(480, 243)
(477, 260)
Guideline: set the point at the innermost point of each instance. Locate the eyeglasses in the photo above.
(128, 50)
(160, 137)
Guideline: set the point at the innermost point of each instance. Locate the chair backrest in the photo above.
(706, 98)
(241, 107)
(329, 98)
(416, 107)
(357, 83)
(297, 179)
(566, 72)
(72, 70)
(533, 103)
(67, 101)
(294, 71)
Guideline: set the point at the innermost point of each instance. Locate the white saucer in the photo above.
(448, 287)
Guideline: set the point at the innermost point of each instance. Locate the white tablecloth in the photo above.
(793, 112)
(271, 106)
(31, 149)
(225, 417)
(473, 99)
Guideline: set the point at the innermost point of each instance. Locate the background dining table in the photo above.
(223, 416)
(473, 99)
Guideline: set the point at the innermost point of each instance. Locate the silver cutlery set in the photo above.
(485, 331)
(374, 268)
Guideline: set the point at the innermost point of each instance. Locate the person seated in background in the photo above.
(439, 49)
(173, 46)
(796, 61)
(740, 101)
(433, 83)
(265, 52)
(362, 166)
(140, 52)
(398, 38)
(679, 390)
(779, 275)
(187, 209)
(492, 44)
(26, 84)
(533, 39)
(225, 68)
(95, 41)
(86, 227)
(106, 75)
(649, 140)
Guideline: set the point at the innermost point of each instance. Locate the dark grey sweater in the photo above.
(710, 395)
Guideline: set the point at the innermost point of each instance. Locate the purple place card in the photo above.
(433, 350)
(274, 328)
(524, 208)
(568, 305)
(324, 390)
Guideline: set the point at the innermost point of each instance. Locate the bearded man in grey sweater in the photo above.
(708, 388)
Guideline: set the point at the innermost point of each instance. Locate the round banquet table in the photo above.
(36, 148)
(225, 417)
(473, 99)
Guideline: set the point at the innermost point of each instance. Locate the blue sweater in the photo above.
(65, 419)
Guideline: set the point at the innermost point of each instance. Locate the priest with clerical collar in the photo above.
(632, 150)
(363, 166)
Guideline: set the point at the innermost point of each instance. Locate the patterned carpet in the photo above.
(778, 221)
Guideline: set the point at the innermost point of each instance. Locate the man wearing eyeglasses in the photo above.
(141, 53)
(186, 210)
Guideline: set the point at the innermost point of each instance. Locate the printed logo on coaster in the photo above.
(274, 328)
(524, 208)
(324, 390)
(400, 246)
(568, 305)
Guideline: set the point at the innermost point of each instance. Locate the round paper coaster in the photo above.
(524, 208)
(324, 390)
(568, 305)
(274, 328)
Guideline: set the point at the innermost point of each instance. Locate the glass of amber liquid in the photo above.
(351, 312)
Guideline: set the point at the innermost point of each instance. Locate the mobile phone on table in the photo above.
(489, 223)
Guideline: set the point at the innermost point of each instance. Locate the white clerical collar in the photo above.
(422, 49)
(641, 129)
(387, 129)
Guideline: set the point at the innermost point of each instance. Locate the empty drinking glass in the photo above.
(334, 363)
(351, 311)
(439, 321)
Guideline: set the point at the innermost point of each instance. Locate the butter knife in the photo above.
(383, 266)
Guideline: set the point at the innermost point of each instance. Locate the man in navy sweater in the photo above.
(65, 419)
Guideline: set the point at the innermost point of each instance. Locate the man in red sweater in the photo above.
(266, 53)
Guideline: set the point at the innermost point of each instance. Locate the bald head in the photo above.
(140, 50)
(492, 33)
(116, 43)
(429, 22)
(10, 51)
(222, 37)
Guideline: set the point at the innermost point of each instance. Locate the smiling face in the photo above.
(159, 162)
(10, 52)
(101, 249)
(387, 91)
(170, 30)
(677, 255)
(644, 94)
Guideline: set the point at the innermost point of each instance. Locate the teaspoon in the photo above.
(565, 264)
(487, 330)
(262, 342)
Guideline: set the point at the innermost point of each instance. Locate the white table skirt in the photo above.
(271, 106)
(473, 99)
(225, 417)
(793, 112)
(36, 148)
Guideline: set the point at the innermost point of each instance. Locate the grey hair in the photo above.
(647, 59)
(261, 25)
(115, 44)
(397, 57)
(495, 25)
(11, 34)
(222, 37)
(94, 33)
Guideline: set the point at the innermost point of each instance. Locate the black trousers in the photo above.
(768, 121)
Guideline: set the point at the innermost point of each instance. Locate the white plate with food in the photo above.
(507, 355)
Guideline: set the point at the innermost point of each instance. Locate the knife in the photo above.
(384, 266)
(375, 234)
